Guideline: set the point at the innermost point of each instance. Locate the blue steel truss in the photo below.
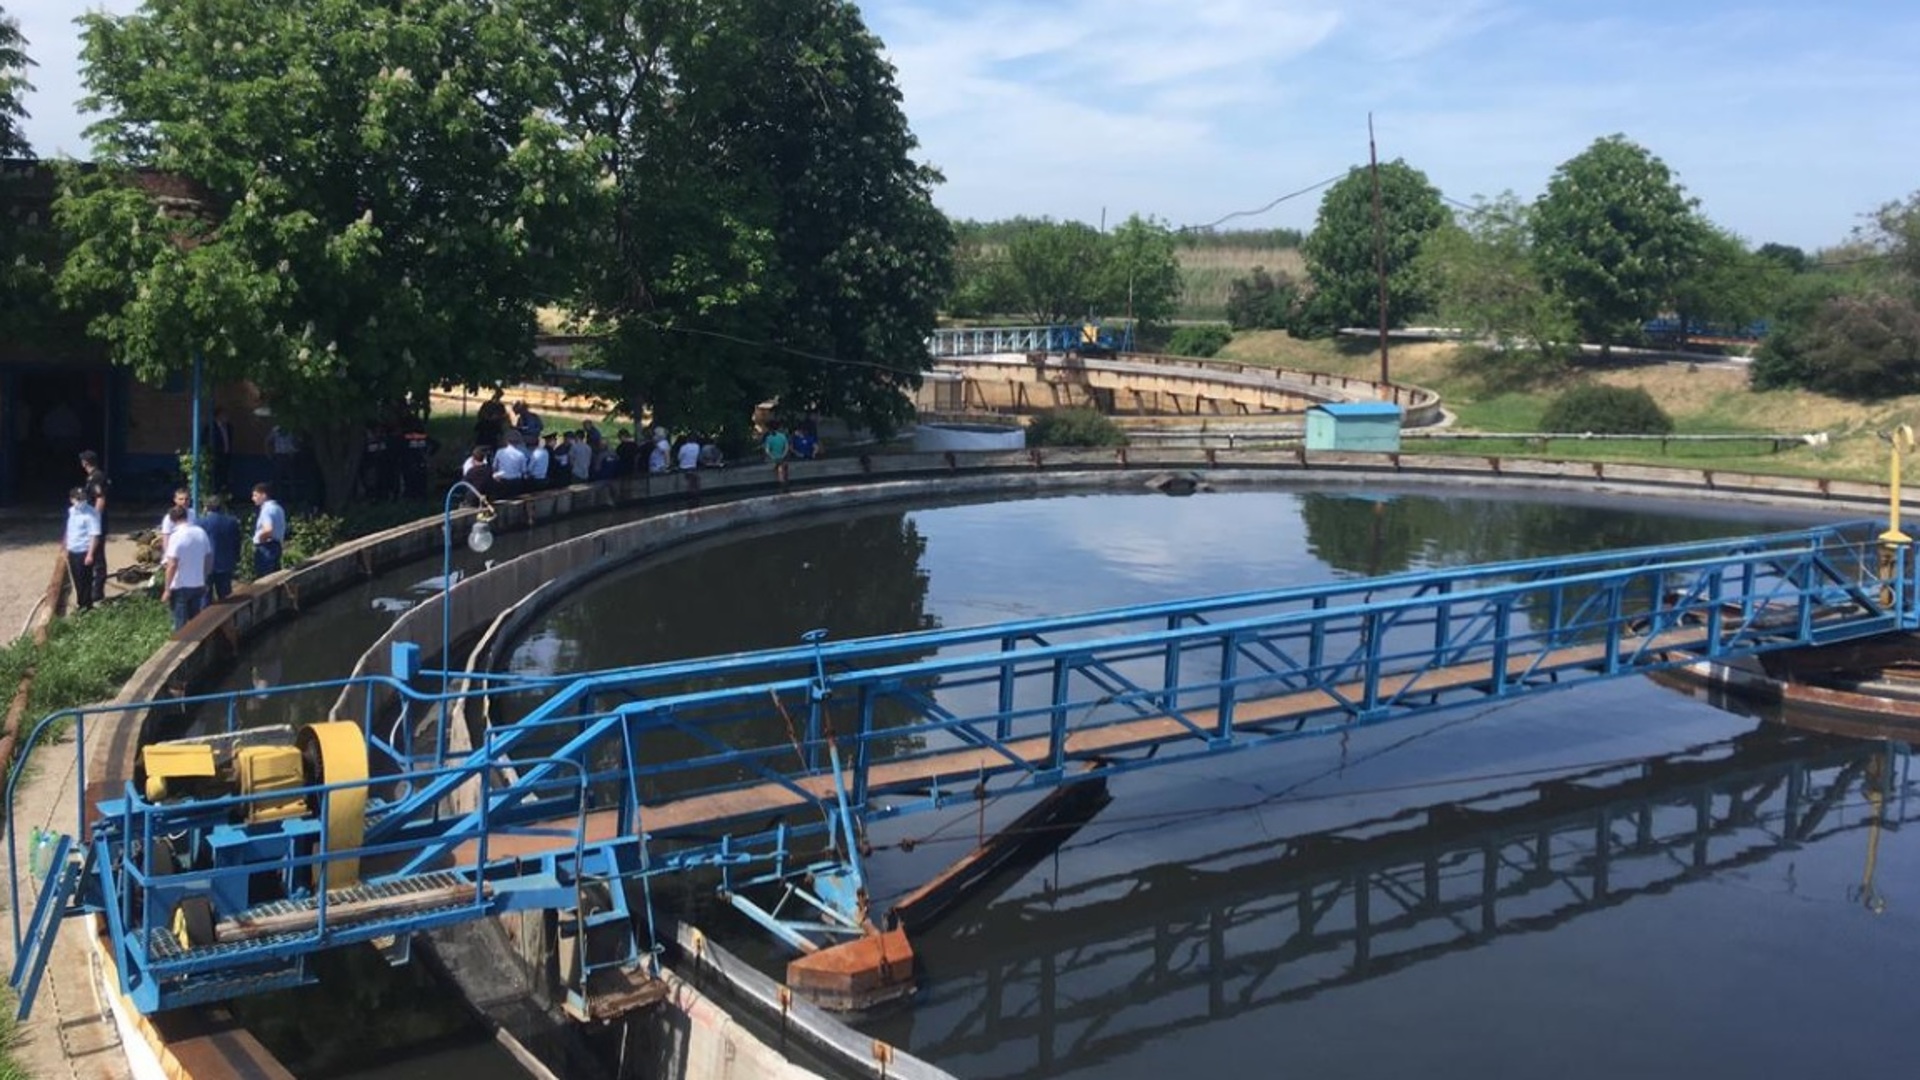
(1002, 340)
(766, 768)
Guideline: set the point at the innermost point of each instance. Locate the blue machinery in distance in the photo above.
(231, 858)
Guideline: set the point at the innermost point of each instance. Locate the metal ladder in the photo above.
(606, 976)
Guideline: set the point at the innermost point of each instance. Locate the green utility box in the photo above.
(1354, 425)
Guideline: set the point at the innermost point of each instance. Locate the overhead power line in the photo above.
(1255, 213)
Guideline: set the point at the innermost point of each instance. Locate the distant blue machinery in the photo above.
(1670, 328)
(230, 859)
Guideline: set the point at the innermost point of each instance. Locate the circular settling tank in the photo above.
(1612, 880)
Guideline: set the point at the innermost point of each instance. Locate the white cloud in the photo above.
(1787, 120)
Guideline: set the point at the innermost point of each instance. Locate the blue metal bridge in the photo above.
(999, 340)
(229, 859)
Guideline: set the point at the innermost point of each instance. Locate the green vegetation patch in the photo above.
(89, 656)
(1074, 427)
(1609, 410)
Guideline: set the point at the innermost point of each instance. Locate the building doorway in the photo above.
(55, 413)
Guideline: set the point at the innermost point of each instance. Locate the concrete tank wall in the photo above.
(1136, 384)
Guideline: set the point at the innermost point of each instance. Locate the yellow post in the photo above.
(1893, 541)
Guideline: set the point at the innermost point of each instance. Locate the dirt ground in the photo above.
(29, 551)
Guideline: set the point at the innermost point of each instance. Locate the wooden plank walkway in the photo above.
(707, 813)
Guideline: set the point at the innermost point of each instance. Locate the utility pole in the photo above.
(1379, 248)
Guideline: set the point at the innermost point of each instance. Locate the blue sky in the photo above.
(1787, 120)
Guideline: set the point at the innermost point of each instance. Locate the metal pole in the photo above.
(446, 603)
(193, 469)
(446, 600)
(1379, 248)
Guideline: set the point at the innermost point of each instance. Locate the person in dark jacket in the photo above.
(223, 530)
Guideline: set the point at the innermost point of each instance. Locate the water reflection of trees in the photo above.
(1374, 535)
(1377, 535)
(856, 577)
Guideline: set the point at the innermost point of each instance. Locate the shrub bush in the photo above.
(1074, 427)
(1203, 341)
(1262, 301)
(1607, 410)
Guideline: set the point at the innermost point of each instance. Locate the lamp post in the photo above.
(479, 539)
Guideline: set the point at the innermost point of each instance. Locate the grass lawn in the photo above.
(1512, 395)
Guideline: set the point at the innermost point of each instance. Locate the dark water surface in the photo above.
(1611, 881)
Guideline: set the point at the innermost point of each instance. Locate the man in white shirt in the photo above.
(581, 460)
(660, 456)
(269, 532)
(689, 454)
(181, 497)
(189, 557)
(510, 468)
(83, 542)
(539, 462)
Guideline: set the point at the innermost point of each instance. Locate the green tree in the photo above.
(770, 235)
(981, 285)
(1053, 270)
(1863, 345)
(1725, 284)
(1486, 284)
(1895, 233)
(1848, 324)
(1786, 256)
(14, 63)
(24, 232)
(1343, 259)
(1613, 233)
(1139, 272)
(379, 196)
(1262, 300)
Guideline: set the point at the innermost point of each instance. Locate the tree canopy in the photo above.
(1894, 233)
(1060, 271)
(1853, 329)
(13, 85)
(1343, 259)
(1613, 233)
(769, 233)
(1052, 271)
(1726, 285)
(379, 195)
(23, 226)
(1486, 285)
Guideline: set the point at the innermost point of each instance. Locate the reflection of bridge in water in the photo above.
(1101, 967)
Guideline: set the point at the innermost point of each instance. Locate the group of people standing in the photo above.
(521, 457)
(200, 551)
